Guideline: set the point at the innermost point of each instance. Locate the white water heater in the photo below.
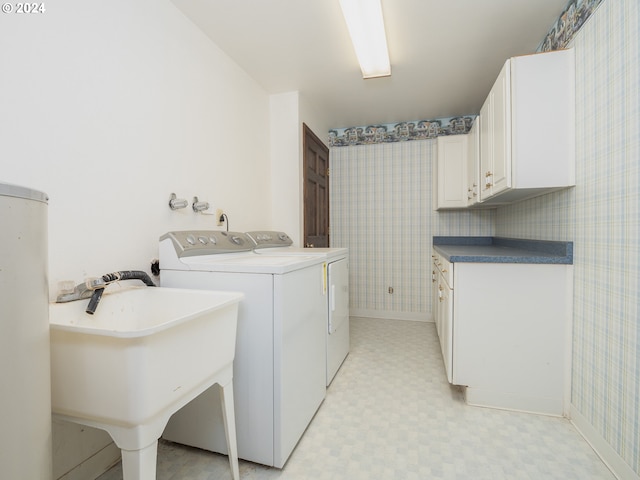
(25, 402)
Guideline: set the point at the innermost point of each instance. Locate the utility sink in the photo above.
(143, 355)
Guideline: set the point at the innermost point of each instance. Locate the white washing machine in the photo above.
(279, 368)
(337, 280)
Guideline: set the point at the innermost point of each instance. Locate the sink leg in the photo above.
(228, 414)
(140, 464)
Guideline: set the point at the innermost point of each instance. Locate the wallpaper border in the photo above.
(400, 132)
(568, 24)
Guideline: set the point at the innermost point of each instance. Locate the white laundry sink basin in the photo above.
(144, 354)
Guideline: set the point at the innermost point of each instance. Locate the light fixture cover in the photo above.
(366, 27)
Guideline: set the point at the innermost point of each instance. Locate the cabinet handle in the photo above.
(487, 180)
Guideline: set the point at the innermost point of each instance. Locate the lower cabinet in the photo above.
(511, 329)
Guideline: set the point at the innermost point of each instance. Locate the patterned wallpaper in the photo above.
(381, 208)
(602, 216)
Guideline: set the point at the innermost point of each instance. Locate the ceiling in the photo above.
(445, 54)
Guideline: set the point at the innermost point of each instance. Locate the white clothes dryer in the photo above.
(337, 280)
(280, 366)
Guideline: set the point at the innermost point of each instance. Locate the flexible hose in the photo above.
(114, 277)
(129, 275)
(93, 302)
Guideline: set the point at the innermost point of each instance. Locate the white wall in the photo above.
(109, 108)
(288, 112)
(286, 166)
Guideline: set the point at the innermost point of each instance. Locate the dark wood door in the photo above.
(316, 190)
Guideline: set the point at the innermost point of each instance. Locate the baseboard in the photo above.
(482, 397)
(96, 465)
(389, 315)
(609, 456)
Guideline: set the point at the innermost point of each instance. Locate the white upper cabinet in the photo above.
(521, 145)
(451, 172)
(527, 141)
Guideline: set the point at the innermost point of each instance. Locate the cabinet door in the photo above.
(495, 137)
(501, 168)
(486, 147)
(473, 163)
(451, 171)
(445, 312)
(434, 295)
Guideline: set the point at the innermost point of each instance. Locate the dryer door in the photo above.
(338, 274)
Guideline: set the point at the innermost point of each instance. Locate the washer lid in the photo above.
(9, 190)
(330, 253)
(250, 263)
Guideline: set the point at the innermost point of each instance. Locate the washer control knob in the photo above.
(237, 240)
(213, 240)
(203, 240)
(191, 240)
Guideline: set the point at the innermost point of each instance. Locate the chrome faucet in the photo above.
(93, 288)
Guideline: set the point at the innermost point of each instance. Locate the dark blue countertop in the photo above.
(503, 250)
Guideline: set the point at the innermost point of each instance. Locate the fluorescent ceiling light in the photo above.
(366, 27)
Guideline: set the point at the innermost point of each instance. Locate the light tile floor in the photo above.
(390, 414)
